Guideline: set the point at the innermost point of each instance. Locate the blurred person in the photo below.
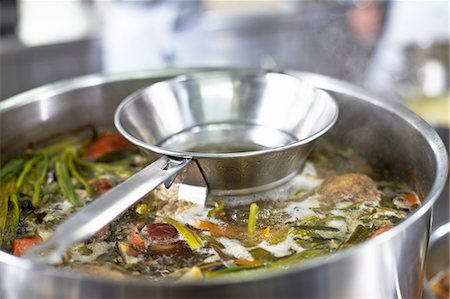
(408, 23)
(139, 34)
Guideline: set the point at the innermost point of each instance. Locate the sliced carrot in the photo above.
(246, 262)
(379, 231)
(106, 144)
(411, 199)
(266, 232)
(19, 246)
(236, 232)
(228, 231)
(136, 240)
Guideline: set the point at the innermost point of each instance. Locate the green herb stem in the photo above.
(26, 169)
(62, 174)
(74, 172)
(10, 169)
(252, 217)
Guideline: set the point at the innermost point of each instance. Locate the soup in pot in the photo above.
(338, 201)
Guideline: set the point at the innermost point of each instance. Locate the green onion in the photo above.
(35, 199)
(101, 168)
(252, 217)
(262, 255)
(217, 210)
(58, 147)
(62, 174)
(231, 270)
(26, 169)
(3, 215)
(301, 256)
(191, 238)
(16, 210)
(5, 193)
(361, 233)
(10, 169)
(74, 172)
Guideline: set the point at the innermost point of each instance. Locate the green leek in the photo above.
(10, 169)
(252, 217)
(191, 238)
(65, 183)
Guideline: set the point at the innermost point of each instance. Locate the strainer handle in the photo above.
(85, 223)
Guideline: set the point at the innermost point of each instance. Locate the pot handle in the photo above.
(85, 223)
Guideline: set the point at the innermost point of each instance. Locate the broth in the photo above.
(332, 205)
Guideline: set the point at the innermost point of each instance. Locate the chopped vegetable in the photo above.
(136, 240)
(70, 160)
(379, 231)
(10, 169)
(19, 246)
(209, 274)
(228, 231)
(62, 174)
(106, 144)
(27, 168)
(246, 262)
(191, 238)
(252, 217)
(361, 233)
(301, 256)
(39, 181)
(266, 232)
(411, 199)
(49, 184)
(217, 211)
(262, 255)
(192, 274)
(4, 198)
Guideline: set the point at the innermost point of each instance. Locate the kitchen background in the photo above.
(397, 49)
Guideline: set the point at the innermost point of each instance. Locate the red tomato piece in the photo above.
(106, 144)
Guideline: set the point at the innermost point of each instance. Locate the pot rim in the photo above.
(319, 81)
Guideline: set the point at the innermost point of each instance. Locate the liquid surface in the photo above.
(227, 138)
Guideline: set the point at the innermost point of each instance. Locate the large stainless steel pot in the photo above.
(389, 266)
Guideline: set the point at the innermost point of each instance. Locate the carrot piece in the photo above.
(136, 240)
(411, 199)
(266, 232)
(246, 262)
(106, 144)
(228, 231)
(379, 231)
(19, 246)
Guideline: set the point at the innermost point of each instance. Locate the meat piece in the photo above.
(162, 239)
(157, 239)
(351, 186)
(160, 234)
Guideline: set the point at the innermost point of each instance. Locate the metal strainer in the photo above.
(239, 132)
